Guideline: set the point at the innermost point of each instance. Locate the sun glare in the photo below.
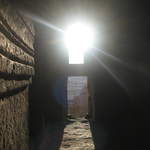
(78, 39)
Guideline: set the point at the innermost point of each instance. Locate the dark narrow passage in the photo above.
(117, 68)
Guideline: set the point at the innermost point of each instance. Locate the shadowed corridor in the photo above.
(117, 73)
(34, 72)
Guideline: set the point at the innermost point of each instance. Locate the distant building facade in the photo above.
(77, 96)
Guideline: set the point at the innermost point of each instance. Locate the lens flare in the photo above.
(78, 39)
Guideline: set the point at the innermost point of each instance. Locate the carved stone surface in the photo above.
(16, 71)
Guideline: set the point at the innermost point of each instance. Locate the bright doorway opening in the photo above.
(78, 38)
(77, 93)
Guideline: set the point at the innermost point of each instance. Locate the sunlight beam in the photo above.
(78, 39)
(111, 73)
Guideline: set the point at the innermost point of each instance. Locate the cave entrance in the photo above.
(77, 95)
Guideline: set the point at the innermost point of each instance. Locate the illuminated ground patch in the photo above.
(77, 136)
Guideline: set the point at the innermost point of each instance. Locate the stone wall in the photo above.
(16, 71)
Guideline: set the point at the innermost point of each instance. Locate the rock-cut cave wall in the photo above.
(16, 71)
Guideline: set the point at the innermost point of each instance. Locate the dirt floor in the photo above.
(77, 136)
(74, 134)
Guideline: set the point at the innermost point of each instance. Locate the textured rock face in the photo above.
(16, 71)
